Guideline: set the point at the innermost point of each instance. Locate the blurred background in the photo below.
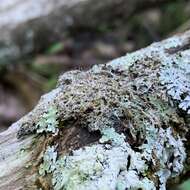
(40, 39)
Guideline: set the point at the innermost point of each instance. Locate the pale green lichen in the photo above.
(131, 180)
(123, 97)
(118, 167)
(176, 77)
(155, 51)
(163, 110)
(113, 164)
(123, 63)
(169, 153)
(120, 185)
(48, 122)
(172, 42)
(49, 161)
(99, 167)
(109, 134)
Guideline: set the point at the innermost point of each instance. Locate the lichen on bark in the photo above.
(141, 129)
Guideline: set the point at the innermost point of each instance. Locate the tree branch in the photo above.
(26, 26)
(119, 125)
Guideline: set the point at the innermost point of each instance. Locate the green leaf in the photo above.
(55, 48)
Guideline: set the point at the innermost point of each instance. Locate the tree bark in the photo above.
(119, 125)
(29, 26)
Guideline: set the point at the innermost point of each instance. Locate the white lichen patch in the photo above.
(49, 161)
(130, 180)
(109, 134)
(176, 77)
(129, 101)
(123, 63)
(173, 42)
(155, 51)
(48, 122)
(168, 151)
(100, 167)
(117, 166)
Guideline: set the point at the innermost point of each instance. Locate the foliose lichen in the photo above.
(100, 167)
(117, 166)
(168, 150)
(129, 102)
(109, 134)
(176, 77)
(48, 122)
(49, 161)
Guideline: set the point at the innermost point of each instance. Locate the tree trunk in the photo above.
(29, 26)
(117, 126)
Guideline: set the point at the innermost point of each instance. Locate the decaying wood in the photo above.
(128, 97)
(29, 26)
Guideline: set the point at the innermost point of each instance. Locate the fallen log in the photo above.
(122, 125)
(30, 26)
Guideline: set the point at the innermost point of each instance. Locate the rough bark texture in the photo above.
(120, 126)
(29, 26)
